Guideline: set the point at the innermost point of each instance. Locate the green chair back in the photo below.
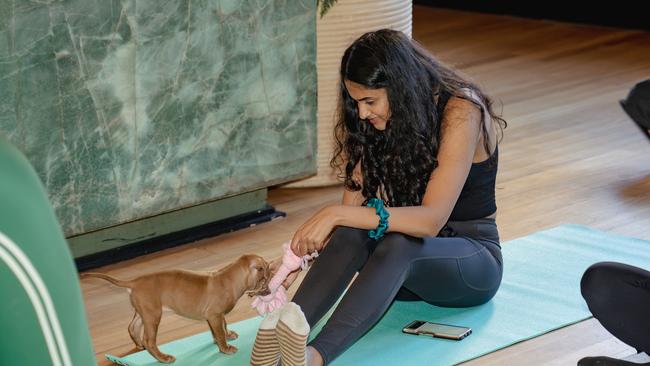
(42, 316)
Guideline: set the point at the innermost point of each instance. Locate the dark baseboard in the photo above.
(621, 14)
(175, 239)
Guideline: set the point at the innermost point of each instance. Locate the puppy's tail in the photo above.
(113, 280)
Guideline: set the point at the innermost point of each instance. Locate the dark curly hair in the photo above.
(396, 163)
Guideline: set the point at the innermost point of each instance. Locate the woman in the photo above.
(618, 295)
(637, 106)
(418, 144)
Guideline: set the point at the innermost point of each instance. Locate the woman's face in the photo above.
(372, 104)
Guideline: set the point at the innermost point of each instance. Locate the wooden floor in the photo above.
(570, 155)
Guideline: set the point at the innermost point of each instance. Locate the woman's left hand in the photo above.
(314, 233)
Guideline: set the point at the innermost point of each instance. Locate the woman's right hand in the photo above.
(314, 233)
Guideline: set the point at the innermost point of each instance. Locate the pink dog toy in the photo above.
(278, 295)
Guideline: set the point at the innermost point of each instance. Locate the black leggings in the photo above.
(618, 295)
(456, 271)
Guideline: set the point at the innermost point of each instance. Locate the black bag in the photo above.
(637, 105)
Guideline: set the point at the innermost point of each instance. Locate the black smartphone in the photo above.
(437, 330)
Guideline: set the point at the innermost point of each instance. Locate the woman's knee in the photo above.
(346, 241)
(599, 279)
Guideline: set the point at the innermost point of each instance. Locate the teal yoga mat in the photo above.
(540, 292)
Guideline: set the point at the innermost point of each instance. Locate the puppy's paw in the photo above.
(167, 359)
(229, 349)
(232, 335)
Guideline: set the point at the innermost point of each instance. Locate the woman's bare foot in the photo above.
(313, 357)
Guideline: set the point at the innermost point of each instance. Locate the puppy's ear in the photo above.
(275, 264)
(255, 265)
(258, 277)
(253, 273)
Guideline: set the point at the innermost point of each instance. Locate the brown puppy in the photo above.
(195, 295)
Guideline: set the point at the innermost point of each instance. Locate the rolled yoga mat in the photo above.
(540, 293)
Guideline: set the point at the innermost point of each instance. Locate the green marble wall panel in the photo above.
(132, 108)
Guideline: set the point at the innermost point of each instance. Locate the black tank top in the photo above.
(477, 199)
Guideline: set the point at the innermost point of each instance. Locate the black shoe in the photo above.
(637, 106)
(606, 361)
